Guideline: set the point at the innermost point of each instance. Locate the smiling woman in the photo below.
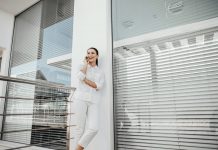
(87, 98)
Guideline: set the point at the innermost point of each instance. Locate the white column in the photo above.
(92, 28)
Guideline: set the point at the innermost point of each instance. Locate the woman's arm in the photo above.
(82, 70)
(100, 82)
(97, 85)
(82, 76)
(90, 83)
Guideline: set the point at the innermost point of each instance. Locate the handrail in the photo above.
(46, 91)
(36, 82)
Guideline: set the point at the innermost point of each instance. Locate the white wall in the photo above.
(92, 27)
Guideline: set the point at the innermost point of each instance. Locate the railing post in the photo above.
(69, 106)
(4, 112)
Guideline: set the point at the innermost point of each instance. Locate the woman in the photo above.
(86, 98)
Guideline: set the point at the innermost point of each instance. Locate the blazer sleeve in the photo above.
(100, 82)
(80, 75)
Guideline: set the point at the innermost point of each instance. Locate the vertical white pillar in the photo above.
(92, 28)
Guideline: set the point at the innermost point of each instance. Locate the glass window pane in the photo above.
(165, 89)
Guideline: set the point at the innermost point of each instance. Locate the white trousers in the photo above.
(87, 121)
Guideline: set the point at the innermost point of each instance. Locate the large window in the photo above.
(43, 33)
(42, 44)
(165, 75)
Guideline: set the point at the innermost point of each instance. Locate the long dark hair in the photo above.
(96, 53)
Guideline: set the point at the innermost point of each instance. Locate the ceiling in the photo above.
(14, 7)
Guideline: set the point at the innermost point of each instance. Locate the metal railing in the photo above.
(35, 113)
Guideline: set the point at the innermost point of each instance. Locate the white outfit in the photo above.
(86, 100)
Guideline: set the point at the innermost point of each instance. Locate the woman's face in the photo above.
(92, 55)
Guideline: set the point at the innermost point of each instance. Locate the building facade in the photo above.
(159, 58)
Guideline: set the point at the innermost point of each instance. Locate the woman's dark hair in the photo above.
(96, 53)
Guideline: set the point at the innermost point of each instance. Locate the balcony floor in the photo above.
(4, 145)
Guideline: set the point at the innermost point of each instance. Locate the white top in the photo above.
(86, 92)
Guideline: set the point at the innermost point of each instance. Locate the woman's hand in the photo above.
(86, 62)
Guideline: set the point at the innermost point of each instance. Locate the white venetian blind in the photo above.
(166, 94)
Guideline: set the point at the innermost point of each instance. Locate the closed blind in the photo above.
(166, 93)
(26, 38)
(26, 41)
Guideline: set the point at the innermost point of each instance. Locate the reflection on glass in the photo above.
(57, 41)
(42, 33)
(41, 50)
(166, 93)
(138, 17)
